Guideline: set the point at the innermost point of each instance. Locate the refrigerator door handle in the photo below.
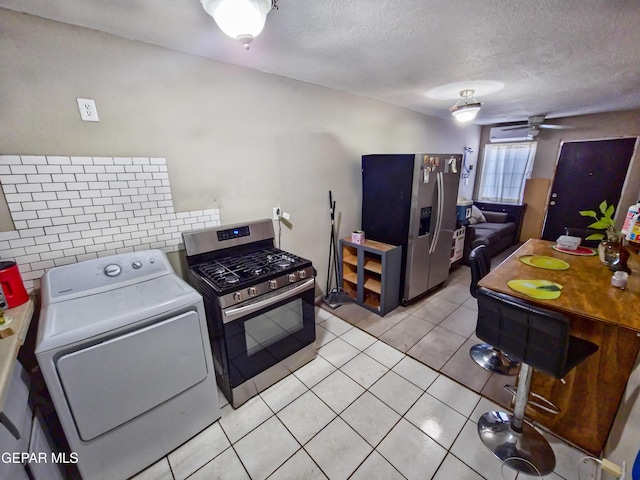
(440, 186)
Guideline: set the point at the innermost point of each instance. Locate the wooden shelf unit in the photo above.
(371, 274)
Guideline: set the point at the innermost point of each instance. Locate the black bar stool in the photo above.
(484, 354)
(539, 339)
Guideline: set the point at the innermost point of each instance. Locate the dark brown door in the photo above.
(586, 174)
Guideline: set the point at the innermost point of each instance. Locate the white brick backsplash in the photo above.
(82, 202)
(10, 160)
(17, 169)
(91, 233)
(49, 169)
(94, 209)
(103, 160)
(31, 232)
(58, 204)
(37, 249)
(39, 222)
(85, 218)
(24, 215)
(71, 208)
(105, 216)
(72, 211)
(90, 194)
(44, 178)
(47, 239)
(70, 236)
(64, 177)
(67, 195)
(43, 196)
(53, 187)
(22, 242)
(102, 201)
(72, 169)
(56, 160)
(82, 242)
(77, 185)
(51, 255)
(86, 177)
(19, 197)
(95, 248)
(61, 245)
(54, 214)
(9, 179)
(82, 160)
(33, 160)
(34, 205)
(24, 187)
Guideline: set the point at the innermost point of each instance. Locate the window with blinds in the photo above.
(505, 168)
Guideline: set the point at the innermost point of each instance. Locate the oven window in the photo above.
(273, 325)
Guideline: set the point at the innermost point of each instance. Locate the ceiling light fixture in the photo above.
(466, 108)
(240, 19)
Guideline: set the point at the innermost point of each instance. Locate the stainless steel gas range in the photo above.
(259, 303)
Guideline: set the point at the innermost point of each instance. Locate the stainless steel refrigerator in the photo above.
(410, 200)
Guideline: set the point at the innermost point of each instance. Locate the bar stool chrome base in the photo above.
(519, 451)
(493, 360)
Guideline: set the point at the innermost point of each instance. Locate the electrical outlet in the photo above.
(276, 213)
(88, 110)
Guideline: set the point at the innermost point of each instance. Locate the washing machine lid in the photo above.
(78, 319)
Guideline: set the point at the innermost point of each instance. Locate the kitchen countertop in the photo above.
(21, 318)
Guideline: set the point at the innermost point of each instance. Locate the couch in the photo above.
(496, 233)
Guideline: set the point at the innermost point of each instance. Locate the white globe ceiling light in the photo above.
(240, 19)
(466, 108)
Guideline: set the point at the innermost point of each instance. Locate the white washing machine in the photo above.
(124, 350)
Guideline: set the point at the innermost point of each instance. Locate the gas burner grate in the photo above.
(236, 269)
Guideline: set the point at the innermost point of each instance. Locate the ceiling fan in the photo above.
(535, 124)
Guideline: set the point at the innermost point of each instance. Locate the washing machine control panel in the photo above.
(101, 274)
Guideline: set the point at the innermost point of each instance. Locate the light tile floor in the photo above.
(361, 410)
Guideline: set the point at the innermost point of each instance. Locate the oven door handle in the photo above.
(233, 313)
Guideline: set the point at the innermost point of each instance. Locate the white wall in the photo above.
(234, 139)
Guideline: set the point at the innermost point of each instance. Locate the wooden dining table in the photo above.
(590, 395)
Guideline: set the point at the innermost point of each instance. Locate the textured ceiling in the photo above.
(554, 57)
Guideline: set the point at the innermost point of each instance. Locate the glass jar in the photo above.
(609, 248)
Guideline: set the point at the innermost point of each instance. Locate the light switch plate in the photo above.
(88, 110)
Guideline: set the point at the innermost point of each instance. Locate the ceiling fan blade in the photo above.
(550, 126)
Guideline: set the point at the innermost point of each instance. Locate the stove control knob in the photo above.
(252, 292)
(273, 284)
(302, 274)
(292, 277)
(112, 270)
(136, 264)
(237, 296)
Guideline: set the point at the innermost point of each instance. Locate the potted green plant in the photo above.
(609, 248)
